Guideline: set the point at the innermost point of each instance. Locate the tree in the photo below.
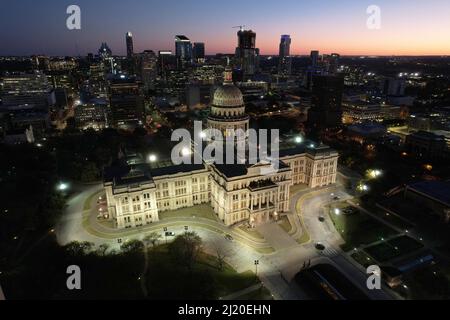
(152, 239)
(132, 246)
(220, 256)
(76, 248)
(186, 248)
(89, 172)
(102, 249)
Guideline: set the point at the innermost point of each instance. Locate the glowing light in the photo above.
(62, 186)
(337, 211)
(185, 151)
(152, 158)
(375, 173)
(202, 135)
(298, 139)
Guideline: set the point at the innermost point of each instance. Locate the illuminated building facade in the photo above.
(242, 192)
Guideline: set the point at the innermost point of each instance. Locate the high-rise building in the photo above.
(326, 109)
(333, 63)
(314, 58)
(394, 87)
(129, 42)
(285, 63)
(165, 59)
(199, 52)
(247, 54)
(104, 52)
(92, 114)
(148, 68)
(183, 51)
(127, 103)
(31, 90)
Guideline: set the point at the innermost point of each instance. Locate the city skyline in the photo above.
(327, 27)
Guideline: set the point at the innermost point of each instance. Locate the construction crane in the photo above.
(240, 27)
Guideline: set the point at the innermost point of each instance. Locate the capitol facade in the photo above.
(243, 192)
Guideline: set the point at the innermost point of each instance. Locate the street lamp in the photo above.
(62, 186)
(152, 158)
(298, 139)
(373, 174)
(165, 233)
(256, 267)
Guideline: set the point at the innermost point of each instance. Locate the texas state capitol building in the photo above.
(238, 193)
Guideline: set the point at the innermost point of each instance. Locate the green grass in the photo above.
(382, 252)
(393, 248)
(265, 250)
(392, 219)
(228, 280)
(88, 202)
(168, 279)
(304, 238)
(362, 258)
(285, 224)
(200, 211)
(251, 232)
(297, 188)
(405, 244)
(429, 283)
(358, 229)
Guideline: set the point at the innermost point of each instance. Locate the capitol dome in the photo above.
(228, 96)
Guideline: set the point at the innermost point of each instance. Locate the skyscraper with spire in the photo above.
(129, 43)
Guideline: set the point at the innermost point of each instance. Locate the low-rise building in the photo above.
(426, 144)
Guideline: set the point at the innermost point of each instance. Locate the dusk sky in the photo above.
(408, 27)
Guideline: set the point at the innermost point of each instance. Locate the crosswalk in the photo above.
(330, 252)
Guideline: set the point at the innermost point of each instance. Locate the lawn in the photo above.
(382, 252)
(392, 219)
(358, 228)
(405, 244)
(362, 258)
(201, 211)
(205, 281)
(393, 248)
(285, 224)
(297, 188)
(430, 283)
(251, 232)
(89, 200)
